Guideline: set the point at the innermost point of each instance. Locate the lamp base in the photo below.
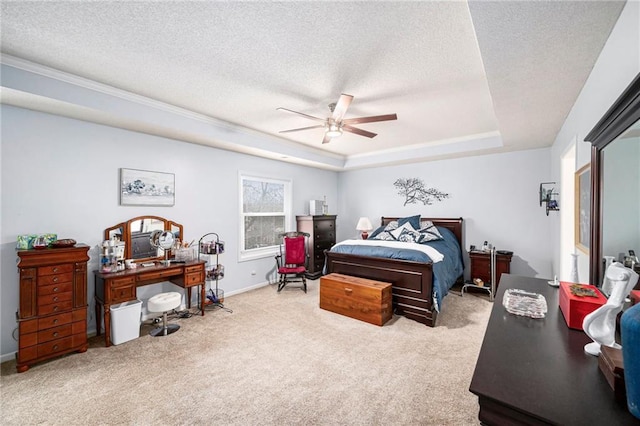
(365, 235)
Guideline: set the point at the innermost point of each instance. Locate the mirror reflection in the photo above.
(621, 200)
(136, 234)
(140, 232)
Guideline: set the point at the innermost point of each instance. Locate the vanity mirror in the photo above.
(136, 233)
(615, 182)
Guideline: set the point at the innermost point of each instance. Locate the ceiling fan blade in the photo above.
(326, 139)
(311, 117)
(341, 107)
(319, 126)
(351, 129)
(371, 119)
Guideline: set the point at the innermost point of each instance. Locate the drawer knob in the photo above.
(55, 321)
(348, 290)
(55, 308)
(55, 289)
(55, 269)
(55, 299)
(55, 279)
(55, 347)
(55, 334)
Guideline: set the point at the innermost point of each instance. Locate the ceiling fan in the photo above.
(335, 124)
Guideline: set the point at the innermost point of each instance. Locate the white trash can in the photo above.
(125, 321)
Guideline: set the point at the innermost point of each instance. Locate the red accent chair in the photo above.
(293, 260)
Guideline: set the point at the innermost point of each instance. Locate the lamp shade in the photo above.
(364, 224)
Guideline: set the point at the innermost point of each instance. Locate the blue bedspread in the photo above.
(445, 273)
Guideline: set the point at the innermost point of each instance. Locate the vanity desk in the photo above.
(120, 286)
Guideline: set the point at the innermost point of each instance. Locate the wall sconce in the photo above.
(548, 197)
(364, 225)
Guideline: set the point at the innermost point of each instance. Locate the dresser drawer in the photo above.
(155, 275)
(54, 320)
(55, 308)
(318, 265)
(54, 289)
(195, 268)
(55, 279)
(54, 333)
(54, 346)
(323, 226)
(322, 245)
(194, 278)
(55, 269)
(53, 298)
(119, 282)
(329, 236)
(122, 294)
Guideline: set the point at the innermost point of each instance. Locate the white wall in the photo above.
(617, 65)
(497, 195)
(61, 175)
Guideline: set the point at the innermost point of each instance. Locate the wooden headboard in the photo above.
(452, 224)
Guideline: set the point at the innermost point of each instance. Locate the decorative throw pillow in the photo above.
(408, 236)
(413, 220)
(388, 227)
(408, 233)
(383, 236)
(429, 232)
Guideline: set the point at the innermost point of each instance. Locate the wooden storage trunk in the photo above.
(359, 298)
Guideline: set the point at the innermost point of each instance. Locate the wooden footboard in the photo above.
(412, 281)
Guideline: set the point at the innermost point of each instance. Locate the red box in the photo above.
(575, 308)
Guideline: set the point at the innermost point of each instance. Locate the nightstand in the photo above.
(481, 266)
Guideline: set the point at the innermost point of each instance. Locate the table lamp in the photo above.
(364, 225)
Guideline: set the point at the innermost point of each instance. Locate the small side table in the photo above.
(481, 268)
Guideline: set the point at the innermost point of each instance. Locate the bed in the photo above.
(418, 286)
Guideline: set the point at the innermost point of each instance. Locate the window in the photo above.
(265, 207)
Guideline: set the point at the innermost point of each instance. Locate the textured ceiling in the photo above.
(450, 70)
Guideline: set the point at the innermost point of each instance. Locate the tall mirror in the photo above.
(615, 184)
(136, 234)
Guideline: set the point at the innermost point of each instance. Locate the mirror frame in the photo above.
(126, 234)
(624, 112)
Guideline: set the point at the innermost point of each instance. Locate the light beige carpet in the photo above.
(277, 359)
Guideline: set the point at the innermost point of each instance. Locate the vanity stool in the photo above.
(164, 302)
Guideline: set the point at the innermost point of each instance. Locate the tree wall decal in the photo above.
(414, 190)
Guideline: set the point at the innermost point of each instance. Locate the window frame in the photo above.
(262, 252)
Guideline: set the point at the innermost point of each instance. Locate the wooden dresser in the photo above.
(481, 266)
(322, 231)
(359, 298)
(52, 316)
(535, 371)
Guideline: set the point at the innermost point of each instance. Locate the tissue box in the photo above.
(25, 242)
(575, 308)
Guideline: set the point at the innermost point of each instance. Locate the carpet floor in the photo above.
(277, 359)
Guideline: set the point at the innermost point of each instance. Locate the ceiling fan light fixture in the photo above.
(334, 131)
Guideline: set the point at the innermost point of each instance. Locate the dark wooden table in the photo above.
(535, 371)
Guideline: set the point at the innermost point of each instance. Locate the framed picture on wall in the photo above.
(583, 208)
(146, 188)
